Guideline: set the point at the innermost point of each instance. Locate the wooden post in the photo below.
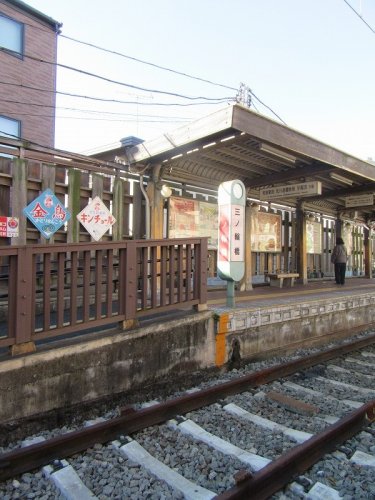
(97, 186)
(300, 242)
(128, 286)
(247, 281)
(367, 253)
(74, 204)
(138, 213)
(200, 277)
(23, 324)
(286, 243)
(19, 202)
(118, 208)
(156, 205)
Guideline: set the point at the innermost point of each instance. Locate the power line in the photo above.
(80, 110)
(116, 82)
(89, 118)
(181, 73)
(359, 15)
(118, 101)
(172, 71)
(164, 68)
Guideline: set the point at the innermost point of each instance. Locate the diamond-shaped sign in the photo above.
(47, 213)
(96, 218)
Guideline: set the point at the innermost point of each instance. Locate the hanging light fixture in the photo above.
(166, 191)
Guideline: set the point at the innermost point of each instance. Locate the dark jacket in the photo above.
(339, 254)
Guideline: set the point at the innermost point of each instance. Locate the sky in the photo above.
(308, 62)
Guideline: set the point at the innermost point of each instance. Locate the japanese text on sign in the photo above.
(302, 189)
(9, 227)
(96, 218)
(47, 213)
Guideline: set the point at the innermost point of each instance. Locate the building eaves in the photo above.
(36, 13)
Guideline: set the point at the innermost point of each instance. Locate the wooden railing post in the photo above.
(128, 283)
(25, 298)
(200, 278)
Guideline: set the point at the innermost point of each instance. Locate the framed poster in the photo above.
(189, 218)
(347, 236)
(265, 232)
(313, 237)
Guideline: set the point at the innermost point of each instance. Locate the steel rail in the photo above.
(30, 457)
(281, 471)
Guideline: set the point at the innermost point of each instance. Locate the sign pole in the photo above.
(231, 237)
(231, 302)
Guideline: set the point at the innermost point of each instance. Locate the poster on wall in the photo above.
(347, 236)
(313, 237)
(190, 218)
(265, 232)
(9, 227)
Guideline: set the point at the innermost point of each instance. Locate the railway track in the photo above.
(249, 437)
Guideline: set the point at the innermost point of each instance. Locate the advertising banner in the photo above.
(9, 227)
(190, 218)
(265, 232)
(313, 237)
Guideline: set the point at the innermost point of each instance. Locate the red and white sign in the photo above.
(96, 218)
(231, 234)
(9, 227)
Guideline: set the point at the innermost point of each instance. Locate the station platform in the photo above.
(264, 322)
(263, 295)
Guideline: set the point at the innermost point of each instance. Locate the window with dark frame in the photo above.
(11, 36)
(10, 127)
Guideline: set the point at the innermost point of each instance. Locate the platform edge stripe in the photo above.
(295, 435)
(135, 452)
(256, 462)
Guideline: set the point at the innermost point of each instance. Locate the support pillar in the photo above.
(156, 205)
(246, 283)
(367, 246)
(338, 228)
(300, 243)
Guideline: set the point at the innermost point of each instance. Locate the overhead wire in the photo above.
(117, 82)
(164, 68)
(132, 58)
(119, 101)
(172, 71)
(359, 15)
(156, 91)
(85, 110)
(122, 120)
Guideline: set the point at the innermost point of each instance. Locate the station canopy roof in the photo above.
(237, 143)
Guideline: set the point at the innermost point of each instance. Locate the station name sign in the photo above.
(361, 200)
(291, 190)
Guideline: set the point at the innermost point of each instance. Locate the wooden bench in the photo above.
(277, 279)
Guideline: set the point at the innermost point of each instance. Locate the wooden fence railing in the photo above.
(53, 290)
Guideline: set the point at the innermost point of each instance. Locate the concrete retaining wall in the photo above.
(257, 331)
(63, 376)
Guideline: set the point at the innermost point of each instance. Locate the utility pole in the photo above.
(244, 95)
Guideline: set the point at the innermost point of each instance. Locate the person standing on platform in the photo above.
(338, 258)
